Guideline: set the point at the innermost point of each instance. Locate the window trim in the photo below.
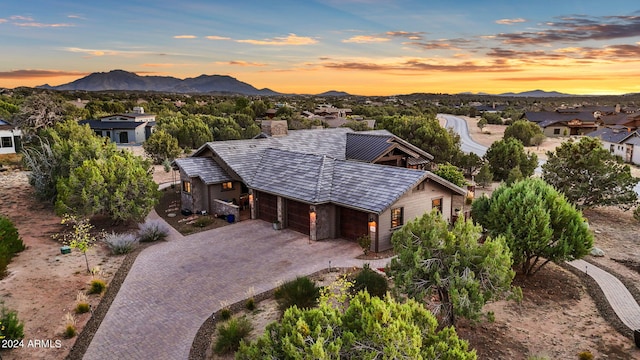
(2, 142)
(186, 186)
(397, 220)
(440, 207)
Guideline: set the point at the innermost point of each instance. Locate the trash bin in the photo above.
(65, 250)
(231, 218)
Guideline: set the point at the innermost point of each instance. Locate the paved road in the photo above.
(466, 142)
(174, 286)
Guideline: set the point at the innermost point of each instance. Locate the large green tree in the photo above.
(452, 265)
(451, 173)
(523, 130)
(589, 175)
(369, 328)
(119, 186)
(506, 154)
(426, 133)
(538, 223)
(161, 146)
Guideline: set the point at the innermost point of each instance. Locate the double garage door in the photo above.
(297, 213)
(353, 223)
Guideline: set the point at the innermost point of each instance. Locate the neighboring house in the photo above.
(330, 183)
(130, 128)
(630, 121)
(10, 138)
(620, 141)
(563, 122)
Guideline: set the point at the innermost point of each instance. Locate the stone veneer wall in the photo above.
(220, 207)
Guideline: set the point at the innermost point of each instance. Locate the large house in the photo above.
(328, 183)
(130, 128)
(563, 122)
(10, 138)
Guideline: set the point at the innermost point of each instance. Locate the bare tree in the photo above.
(39, 111)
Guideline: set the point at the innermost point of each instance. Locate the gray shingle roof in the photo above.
(546, 118)
(321, 179)
(110, 125)
(615, 136)
(205, 168)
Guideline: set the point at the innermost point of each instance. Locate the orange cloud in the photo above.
(291, 39)
(241, 63)
(365, 39)
(28, 74)
(42, 25)
(185, 37)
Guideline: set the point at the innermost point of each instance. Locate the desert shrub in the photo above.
(365, 243)
(203, 221)
(97, 286)
(250, 304)
(70, 326)
(153, 230)
(10, 243)
(82, 308)
(120, 243)
(636, 213)
(301, 292)
(585, 355)
(225, 314)
(12, 328)
(231, 333)
(369, 280)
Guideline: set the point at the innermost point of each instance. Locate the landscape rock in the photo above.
(597, 252)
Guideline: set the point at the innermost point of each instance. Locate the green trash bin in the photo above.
(65, 250)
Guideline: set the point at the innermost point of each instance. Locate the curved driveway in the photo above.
(174, 286)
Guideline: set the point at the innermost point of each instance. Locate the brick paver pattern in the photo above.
(621, 300)
(174, 286)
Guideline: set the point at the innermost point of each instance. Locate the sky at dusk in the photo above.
(364, 47)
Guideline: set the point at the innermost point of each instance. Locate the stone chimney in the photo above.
(275, 127)
(617, 109)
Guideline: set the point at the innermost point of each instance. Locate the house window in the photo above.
(437, 204)
(397, 218)
(6, 141)
(186, 186)
(612, 148)
(227, 186)
(556, 131)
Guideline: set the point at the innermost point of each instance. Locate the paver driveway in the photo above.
(174, 286)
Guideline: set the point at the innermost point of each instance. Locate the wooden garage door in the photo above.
(298, 216)
(267, 207)
(353, 223)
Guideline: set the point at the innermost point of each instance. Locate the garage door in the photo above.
(267, 207)
(298, 216)
(353, 223)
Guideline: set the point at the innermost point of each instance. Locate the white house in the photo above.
(9, 138)
(620, 141)
(130, 128)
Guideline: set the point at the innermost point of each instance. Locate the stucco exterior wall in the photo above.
(549, 131)
(216, 192)
(415, 203)
(9, 134)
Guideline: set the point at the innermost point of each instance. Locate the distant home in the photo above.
(10, 138)
(563, 122)
(130, 128)
(620, 141)
(327, 183)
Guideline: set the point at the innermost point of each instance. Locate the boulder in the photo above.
(597, 252)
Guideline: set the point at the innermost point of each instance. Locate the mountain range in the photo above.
(213, 84)
(124, 80)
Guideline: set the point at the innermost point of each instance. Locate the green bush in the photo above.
(153, 230)
(11, 328)
(636, 213)
(365, 243)
(203, 221)
(250, 304)
(97, 286)
(120, 243)
(230, 334)
(70, 331)
(585, 355)
(301, 292)
(225, 314)
(369, 280)
(82, 308)
(10, 243)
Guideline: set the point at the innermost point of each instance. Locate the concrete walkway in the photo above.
(174, 286)
(621, 300)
